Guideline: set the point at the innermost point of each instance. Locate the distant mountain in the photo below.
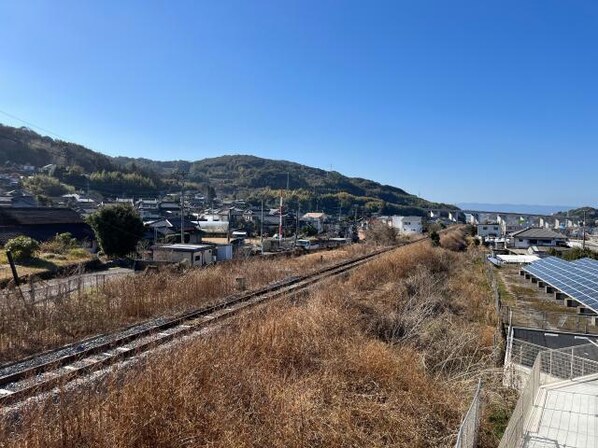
(591, 213)
(22, 145)
(237, 176)
(515, 208)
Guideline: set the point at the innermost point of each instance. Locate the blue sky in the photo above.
(458, 101)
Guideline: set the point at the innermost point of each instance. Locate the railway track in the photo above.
(32, 376)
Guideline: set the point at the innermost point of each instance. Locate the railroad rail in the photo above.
(40, 373)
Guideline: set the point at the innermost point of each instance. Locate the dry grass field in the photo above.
(387, 357)
(28, 327)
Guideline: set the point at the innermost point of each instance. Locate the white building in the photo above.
(407, 225)
(511, 223)
(470, 218)
(547, 223)
(316, 220)
(485, 230)
(192, 254)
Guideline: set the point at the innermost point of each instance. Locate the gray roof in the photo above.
(539, 233)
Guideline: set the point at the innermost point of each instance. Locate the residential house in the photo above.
(213, 228)
(314, 219)
(489, 230)
(43, 223)
(170, 208)
(83, 205)
(149, 209)
(511, 223)
(407, 225)
(533, 236)
(470, 218)
(18, 199)
(191, 254)
(170, 229)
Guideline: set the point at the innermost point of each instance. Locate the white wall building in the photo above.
(493, 229)
(192, 254)
(407, 225)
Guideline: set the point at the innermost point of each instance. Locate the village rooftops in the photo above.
(314, 215)
(184, 247)
(538, 233)
(42, 223)
(38, 215)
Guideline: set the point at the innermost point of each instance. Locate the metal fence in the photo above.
(467, 436)
(36, 291)
(520, 356)
(546, 320)
(549, 366)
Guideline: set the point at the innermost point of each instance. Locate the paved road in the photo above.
(592, 245)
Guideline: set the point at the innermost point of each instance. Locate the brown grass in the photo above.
(454, 239)
(27, 327)
(388, 357)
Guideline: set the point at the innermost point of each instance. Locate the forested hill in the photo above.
(24, 146)
(591, 214)
(235, 176)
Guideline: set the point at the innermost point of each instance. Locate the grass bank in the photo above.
(388, 356)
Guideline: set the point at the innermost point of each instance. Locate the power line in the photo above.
(32, 125)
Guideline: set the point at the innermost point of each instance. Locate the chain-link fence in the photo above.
(549, 366)
(470, 425)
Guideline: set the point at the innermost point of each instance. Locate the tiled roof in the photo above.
(538, 233)
(38, 215)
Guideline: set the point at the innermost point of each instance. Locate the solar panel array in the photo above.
(587, 264)
(577, 279)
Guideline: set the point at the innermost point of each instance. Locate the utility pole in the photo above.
(280, 226)
(228, 229)
(182, 213)
(583, 244)
(297, 223)
(280, 222)
(262, 228)
(13, 268)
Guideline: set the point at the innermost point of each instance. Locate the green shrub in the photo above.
(435, 238)
(78, 253)
(22, 247)
(61, 243)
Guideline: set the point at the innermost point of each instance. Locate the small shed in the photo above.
(224, 252)
(193, 254)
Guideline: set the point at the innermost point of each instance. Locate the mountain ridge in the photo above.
(238, 176)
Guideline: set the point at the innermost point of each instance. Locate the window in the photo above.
(198, 257)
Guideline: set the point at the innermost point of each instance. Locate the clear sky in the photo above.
(475, 101)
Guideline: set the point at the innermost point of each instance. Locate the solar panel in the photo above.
(588, 264)
(578, 280)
